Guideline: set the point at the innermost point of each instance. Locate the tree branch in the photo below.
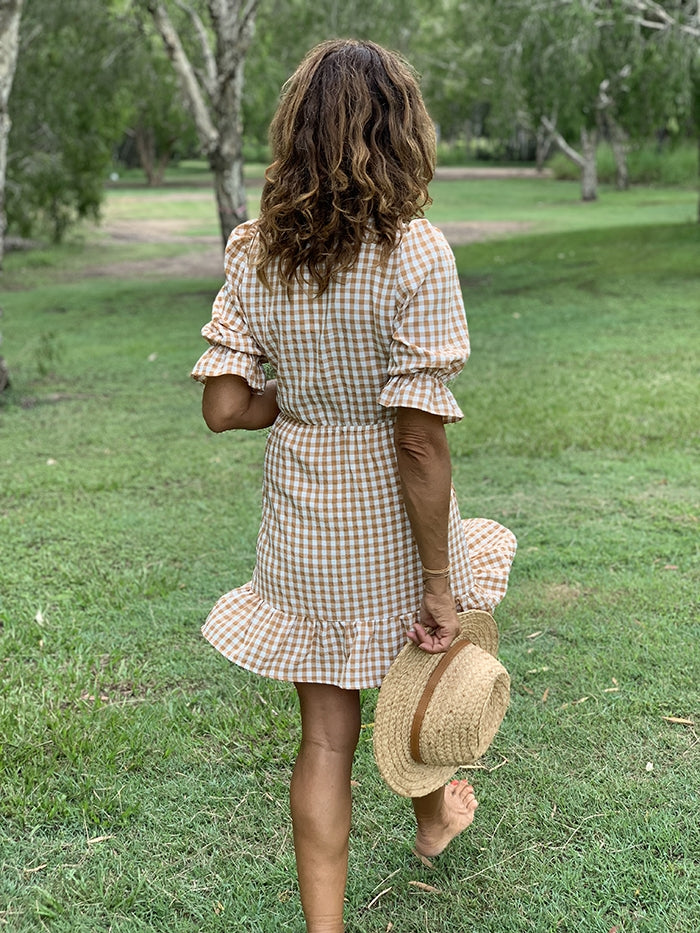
(664, 21)
(209, 75)
(207, 132)
(568, 151)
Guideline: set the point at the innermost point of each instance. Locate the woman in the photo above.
(354, 300)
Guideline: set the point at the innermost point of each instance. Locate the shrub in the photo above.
(649, 164)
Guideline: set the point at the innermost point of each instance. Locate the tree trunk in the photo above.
(584, 159)
(214, 99)
(151, 161)
(10, 12)
(589, 170)
(227, 159)
(543, 145)
(144, 141)
(620, 147)
(229, 188)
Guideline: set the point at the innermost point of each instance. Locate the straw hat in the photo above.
(436, 712)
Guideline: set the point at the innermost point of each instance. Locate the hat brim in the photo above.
(398, 697)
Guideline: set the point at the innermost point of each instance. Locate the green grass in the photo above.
(544, 204)
(547, 205)
(144, 779)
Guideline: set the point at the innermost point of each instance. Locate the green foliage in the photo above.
(287, 29)
(159, 128)
(650, 164)
(588, 66)
(67, 111)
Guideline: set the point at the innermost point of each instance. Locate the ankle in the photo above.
(331, 924)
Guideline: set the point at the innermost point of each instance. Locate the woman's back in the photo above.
(342, 356)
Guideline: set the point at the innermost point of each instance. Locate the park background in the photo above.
(144, 779)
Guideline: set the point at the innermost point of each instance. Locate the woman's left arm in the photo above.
(229, 403)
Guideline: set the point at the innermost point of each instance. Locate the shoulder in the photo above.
(423, 248)
(238, 247)
(420, 233)
(242, 236)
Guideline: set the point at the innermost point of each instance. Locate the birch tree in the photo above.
(10, 13)
(212, 89)
(618, 68)
(545, 76)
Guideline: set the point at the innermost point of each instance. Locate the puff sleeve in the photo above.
(233, 349)
(430, 340)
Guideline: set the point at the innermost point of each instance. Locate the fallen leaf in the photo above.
(425, 887)
(545, 695)
(670, 566)
(682, 722)
(426, 861)
(574, 702)
(96, 839)
(375, 899)
(614, 681)
(534, 634)
(611, 690)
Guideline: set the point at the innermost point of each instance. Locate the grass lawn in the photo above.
(144, 779)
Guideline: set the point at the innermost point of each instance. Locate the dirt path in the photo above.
(201, 256)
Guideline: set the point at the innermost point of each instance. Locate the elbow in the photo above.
(415, 447)
(215, 423)
(219, 418)
(225, 403)
(420, 439)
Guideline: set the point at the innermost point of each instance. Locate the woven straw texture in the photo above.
(461, 720)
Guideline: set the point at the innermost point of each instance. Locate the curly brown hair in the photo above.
(354, 152)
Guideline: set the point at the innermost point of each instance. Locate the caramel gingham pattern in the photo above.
(337, 579)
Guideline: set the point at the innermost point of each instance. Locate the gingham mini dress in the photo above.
(337, 579)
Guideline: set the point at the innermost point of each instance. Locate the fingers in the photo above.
(434, 641)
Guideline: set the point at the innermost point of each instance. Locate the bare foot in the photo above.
(457, 814)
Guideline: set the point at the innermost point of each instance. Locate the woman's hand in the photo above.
(438, 626)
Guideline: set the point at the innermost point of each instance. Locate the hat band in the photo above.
(427, 695)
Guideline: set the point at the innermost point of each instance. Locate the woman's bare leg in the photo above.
(443, 815)
(321, 801)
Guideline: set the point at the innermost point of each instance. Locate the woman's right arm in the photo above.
(228, 403)
(425, 471)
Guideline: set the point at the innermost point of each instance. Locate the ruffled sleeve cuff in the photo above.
(220, 361)
(422, 390)
(492, 548)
